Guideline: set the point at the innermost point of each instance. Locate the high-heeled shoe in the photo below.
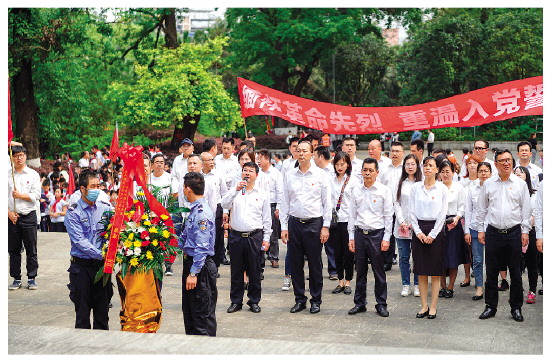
(422, 315)
(477, 297)
(432, 316)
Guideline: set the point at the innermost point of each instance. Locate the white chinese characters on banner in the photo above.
(533, 96)
(369, 122)
(340, 121)
(271, 103)
(507, 101)
(475, 107)
(444, 115)
(250, 96)
(316, 119)
(414, 120)
(293, 112)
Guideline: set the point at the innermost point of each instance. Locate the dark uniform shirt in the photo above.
(197, 238)
(82, 226)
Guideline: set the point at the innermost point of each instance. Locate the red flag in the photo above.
(114, 144)
(10, 131)
(72, 186)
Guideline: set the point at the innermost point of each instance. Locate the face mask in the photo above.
(93, 195)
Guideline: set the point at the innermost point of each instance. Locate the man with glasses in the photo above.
(504, 206)
(481, 148)
(23, 197)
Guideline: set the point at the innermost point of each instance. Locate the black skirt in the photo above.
(428, 259)
(456, 249)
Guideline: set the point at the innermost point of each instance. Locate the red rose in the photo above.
(144, 234)
(162, 245)
(155, 220)
(145, 243)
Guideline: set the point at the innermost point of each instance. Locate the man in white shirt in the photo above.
(417, 149)
(84, 159)
(430, 141)
(23, 198)
(209, 145)
(390, 177)
(524, 158)
(98, 156)
(375, 151)
(349, 145)
(179, 166)
(481, 148)
(291, 161)
(275, 186)
(226, 162)
(369, 226)
(249, 237)
(504, 204)
(218, 187)
(305, 218)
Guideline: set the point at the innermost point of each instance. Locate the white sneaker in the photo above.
(286, 283)
(406, 291)
(416, 291)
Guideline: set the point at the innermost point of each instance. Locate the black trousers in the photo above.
(430, 147)
(245, 257)
(57, 227)
(531, 261)
(367, 246)
(390, 253)
(44, 223)
(344, 259)
(89, 296)
(23, 233)
(219, 247)
(273, 252)
(305, 240)
(199, 304)
(503, 250)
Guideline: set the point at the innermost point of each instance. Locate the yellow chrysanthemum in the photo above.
(146, 223)
(149, 255)
(153, 230)
(155, 242)
(164, 217)
(128, 244)
(166, 234)
(140, 193)
(137, 244)
(144, 216)
(131, 236)
(134, 262)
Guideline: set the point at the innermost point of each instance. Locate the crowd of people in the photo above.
(429, 211)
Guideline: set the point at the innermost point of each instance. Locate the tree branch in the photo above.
(137, 42)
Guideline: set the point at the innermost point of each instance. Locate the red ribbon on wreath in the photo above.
(134, 169)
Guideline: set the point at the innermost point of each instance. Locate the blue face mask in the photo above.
(93, 194)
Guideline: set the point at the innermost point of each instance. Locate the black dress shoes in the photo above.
(255, 308)
(422, 315)
(503, 285)
(357, 309)
(298, 307)
(382, 311)
(467, 284)
(225, 261)
(516, 314)
(315, 308)
(488, 312)
(234, 307)
(448, 293)
(387, 267)
(338, 289)
(477, 297)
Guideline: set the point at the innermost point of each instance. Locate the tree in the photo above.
(178, 90)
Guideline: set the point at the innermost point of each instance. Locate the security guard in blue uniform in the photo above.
(199, 294)
(82, 220)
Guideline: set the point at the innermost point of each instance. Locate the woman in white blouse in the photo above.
(456, 251)
(470, 225)
(342, 184)
(410, 174)
(428, 207)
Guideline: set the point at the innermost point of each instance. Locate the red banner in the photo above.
(495, 103)
(133, 170)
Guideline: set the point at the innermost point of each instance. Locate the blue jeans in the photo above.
(477, 256)
(404, 248)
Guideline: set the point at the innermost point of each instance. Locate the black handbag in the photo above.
(334, 219)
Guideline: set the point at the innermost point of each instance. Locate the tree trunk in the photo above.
(26, 110)
(170, 32)
(184, 129)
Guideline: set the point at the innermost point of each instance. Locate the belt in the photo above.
(504, 231)
(246, 234)
(306, 221)
(82, 261)
(367, 231)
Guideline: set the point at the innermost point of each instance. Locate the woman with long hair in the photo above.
(428, 207)
(410, 174)
(342, 185)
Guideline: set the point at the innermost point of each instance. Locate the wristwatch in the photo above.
(192, 275)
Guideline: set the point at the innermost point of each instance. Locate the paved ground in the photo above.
(46, 317)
